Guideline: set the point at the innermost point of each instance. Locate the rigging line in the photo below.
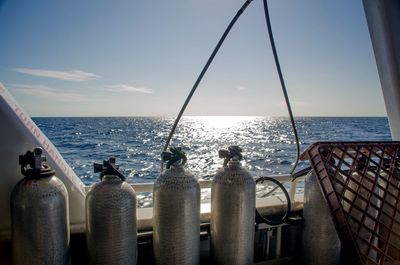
(205, 68)
(278, 68)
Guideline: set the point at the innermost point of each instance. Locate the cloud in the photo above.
(241, 88)
(128, 88)
(49, 93)
(71, 75)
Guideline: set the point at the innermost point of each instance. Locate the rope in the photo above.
(200, 77)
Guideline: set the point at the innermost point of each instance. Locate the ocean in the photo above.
(268, 143)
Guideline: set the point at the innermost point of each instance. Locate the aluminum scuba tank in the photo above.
(39, 212)
(111, 229)
(176, 220)
(320, 242)
(232, 211)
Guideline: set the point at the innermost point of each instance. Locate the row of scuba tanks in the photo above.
(40, 217)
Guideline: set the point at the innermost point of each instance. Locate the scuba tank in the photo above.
(39, 213)
(233, 198)
(320, 242)
(111, 230)
(176, 220)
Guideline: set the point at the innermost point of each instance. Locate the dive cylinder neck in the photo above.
(37, 168)
(108, 169)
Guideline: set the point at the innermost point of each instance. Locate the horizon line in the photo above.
(172, 116)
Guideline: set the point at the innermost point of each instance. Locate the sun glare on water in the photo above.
(221, 122)
(224, 130)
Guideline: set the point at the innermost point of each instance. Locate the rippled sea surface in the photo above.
(268, 143)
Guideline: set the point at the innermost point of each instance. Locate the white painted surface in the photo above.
(19, 134)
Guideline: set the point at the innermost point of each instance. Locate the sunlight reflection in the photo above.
(222, 122)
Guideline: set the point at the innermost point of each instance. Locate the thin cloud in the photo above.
(71, 75)
(129, 88)
(241, 88)
(49, 93)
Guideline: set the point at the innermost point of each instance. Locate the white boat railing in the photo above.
(206, 184)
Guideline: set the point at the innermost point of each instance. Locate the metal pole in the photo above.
(278, 242)
(292, 190)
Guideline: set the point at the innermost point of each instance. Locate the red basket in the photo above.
(361, 184)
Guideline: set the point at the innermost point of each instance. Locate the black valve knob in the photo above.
(108, 168)
(174, 155)
(233, 151)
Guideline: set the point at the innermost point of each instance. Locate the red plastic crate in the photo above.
(361, 184)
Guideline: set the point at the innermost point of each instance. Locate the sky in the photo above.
(141, 58)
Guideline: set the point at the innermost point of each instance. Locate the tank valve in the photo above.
(174, 155)
(234, 152)
(109, 167)
(35, 161)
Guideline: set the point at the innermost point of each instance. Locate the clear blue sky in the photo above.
(128, 58)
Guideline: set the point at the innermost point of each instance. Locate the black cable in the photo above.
(278, 68)
(260, 218)
(211, 58)
(196, 84)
